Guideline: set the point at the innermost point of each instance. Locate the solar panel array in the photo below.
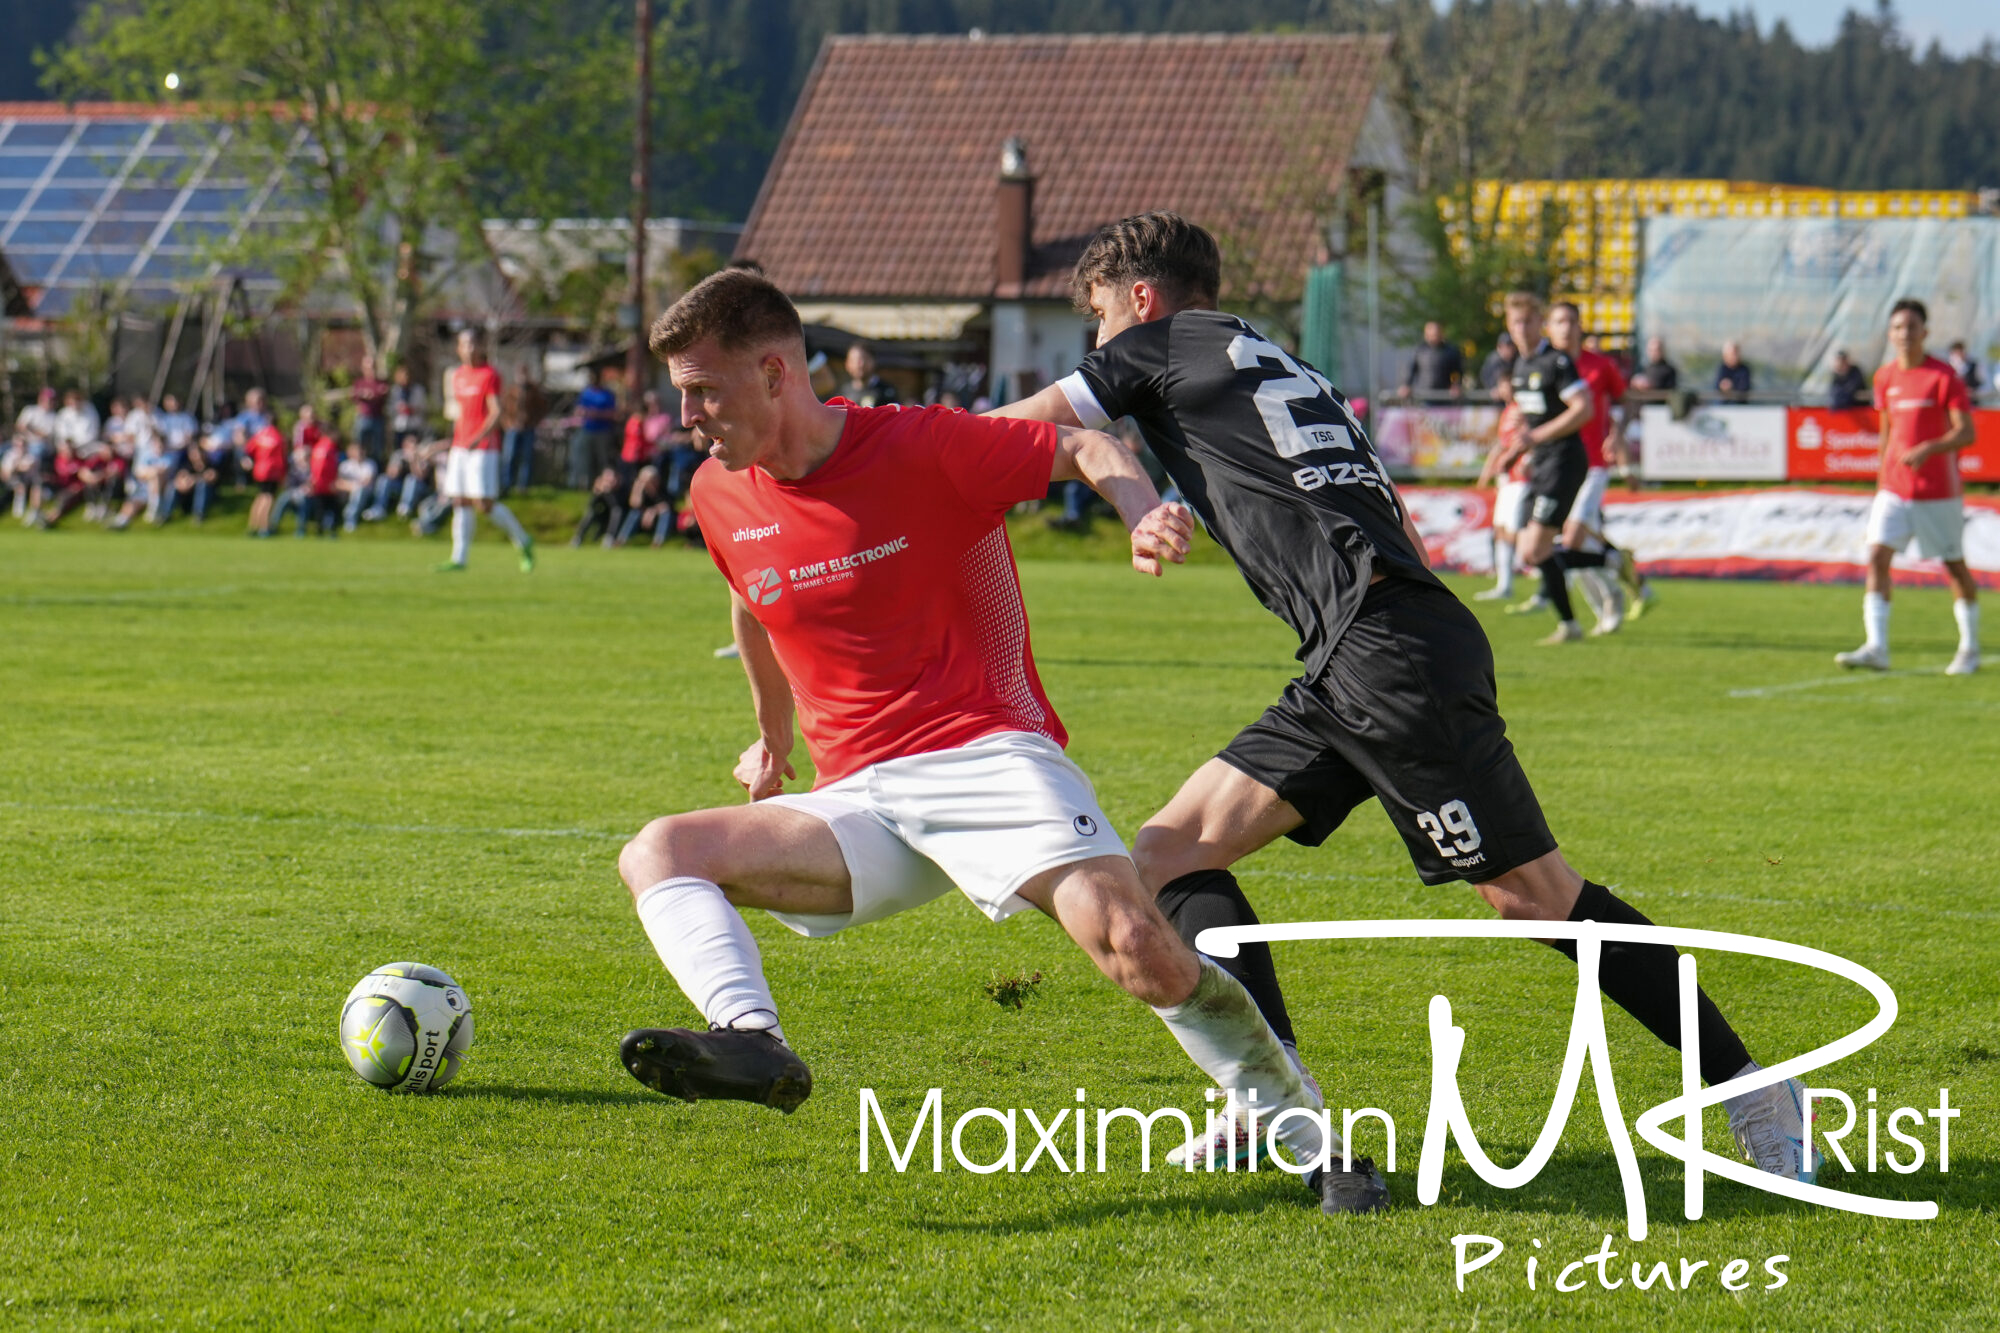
(129, 205)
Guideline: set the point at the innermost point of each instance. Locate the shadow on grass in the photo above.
(514, 1092)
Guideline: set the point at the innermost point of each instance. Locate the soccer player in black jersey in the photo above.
(1396, 698)
(1555, 403)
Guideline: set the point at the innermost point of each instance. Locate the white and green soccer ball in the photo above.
(406, 1027)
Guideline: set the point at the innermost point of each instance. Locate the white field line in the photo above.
(1823, 682)
(319, 821)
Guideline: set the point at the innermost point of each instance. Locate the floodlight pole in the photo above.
(635, 365)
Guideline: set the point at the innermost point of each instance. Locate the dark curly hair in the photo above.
(1165, 249)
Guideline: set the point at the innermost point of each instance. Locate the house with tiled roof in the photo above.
(936, 191)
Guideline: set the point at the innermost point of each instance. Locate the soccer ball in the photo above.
(406, 1027)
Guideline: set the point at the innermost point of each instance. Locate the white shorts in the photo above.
(1937, 525)
(1510, 506)
(985, 817)
(471, 474)
(1589, 507)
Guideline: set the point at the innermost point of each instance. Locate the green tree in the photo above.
(383, 124)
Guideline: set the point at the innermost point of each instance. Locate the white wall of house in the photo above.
(1042, 338)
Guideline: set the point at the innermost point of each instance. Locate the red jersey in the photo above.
(323, 466)
(471, 386)
(1607, 386)
(886, 581)
(1919, 403)
(635, 449)
(267, 455)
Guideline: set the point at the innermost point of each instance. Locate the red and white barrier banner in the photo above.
(1726, 443)
(1435, 441)
(1782, 533)
(1825, 445)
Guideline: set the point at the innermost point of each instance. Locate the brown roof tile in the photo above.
(884, 184)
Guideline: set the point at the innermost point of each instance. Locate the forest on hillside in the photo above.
(1491, 87)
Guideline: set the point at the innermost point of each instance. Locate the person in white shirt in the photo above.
(34, 445)
(78, 422)
(356, 482)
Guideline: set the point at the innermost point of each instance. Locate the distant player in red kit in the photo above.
(471, 478)
(873, 587)
(1926, 417)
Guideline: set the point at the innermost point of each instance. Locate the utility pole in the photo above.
(642, 178)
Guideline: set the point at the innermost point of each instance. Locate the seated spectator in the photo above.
(356, 483)
(1849, 387)
(649, 506)
(78, 422)
(603, 510)
(1965, 368)
(1732, 377)
(1437, 369)
(407, 407)
(1498, 367)
(196, 480)
(32, 448)
(151, 467)
(63, 487)
(1658, 376)
(20, 474)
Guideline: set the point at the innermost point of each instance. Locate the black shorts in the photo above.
(1405, 712)
(1555, 475)
(268, 487)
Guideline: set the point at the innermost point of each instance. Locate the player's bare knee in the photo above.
(666, 847)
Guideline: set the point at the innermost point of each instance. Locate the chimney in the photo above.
(1014, 220)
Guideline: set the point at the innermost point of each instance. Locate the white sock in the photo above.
(1967, 615)
(710, 951)
(1875, 620)
(504, 516)
(461, 533)
(1603, 583)
(1221, 1029)
(1503, 567)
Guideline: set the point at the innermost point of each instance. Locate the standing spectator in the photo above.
(408, 406)
(590, 443)
(34, 449)
(1849, 387)
(1732, 377)
(323, 497)
(865, 388)
(264, 453)
(522, 407)
(370, 396)
(1437, 369)
(1498, 367)
(1965, 368)
(1658, 375)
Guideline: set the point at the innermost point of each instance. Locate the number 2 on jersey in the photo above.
(1275, 399)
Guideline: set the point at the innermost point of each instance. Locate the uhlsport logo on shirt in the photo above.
(763, 587)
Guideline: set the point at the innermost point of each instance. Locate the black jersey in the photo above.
(1268, 453)
(1543, 390)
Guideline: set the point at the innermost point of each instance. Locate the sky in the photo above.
(1958, 25)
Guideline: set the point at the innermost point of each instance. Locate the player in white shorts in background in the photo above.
(1926, 417)
(471, 479)
(1510, 501)
(873, 588)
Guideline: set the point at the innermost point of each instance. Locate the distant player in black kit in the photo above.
(1396, 699)
(1555, 404)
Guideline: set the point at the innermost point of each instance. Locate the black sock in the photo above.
(1582, 559)
(1555, 587)
(1644, 981)
(1209, 898)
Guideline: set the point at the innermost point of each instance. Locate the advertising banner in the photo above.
(1713, 444)
(1825, 445)
(1441, 441)
(1785, 533)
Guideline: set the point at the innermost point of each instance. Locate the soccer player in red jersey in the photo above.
(1926, 418)
(266, 451)
(471, 478)
(874, 594)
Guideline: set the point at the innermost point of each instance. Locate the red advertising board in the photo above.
(1825, 445)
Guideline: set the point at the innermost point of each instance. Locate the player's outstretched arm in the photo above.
(1051, 405)
(1160, 532)
(763, 767)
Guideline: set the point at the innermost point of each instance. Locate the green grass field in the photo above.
(239, 775)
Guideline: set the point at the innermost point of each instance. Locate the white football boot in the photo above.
(1868, 657)
(1231, 1140)
(1963, 663)
(1567, 631)
(1771, 1132)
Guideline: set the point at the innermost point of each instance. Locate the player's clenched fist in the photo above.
(761, 773)
(1162, 535)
